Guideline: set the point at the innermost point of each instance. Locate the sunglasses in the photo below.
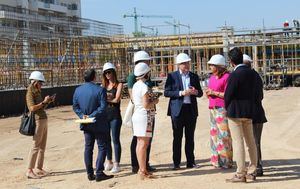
(107, 72)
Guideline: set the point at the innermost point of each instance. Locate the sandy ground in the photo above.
(64, 153)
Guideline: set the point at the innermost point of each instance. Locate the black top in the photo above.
(113, 109)
(240, 93)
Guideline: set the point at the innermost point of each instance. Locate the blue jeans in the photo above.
(90, 138)
(115, 129)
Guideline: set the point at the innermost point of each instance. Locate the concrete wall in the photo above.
(13, 102)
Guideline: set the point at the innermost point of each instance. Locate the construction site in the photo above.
(63, 47)
(63, 54)
(52, 37)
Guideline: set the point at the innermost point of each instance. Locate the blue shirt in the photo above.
(186, 84)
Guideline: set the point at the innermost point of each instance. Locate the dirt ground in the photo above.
(64, 153)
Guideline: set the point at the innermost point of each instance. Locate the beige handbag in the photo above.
(127, 119)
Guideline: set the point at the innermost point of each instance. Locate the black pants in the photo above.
(101, 139)
(185, 121)
(257, 131)
(134, 161)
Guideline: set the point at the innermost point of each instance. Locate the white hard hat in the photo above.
(37, 75)
(218, 60)
(141, 69)
(108, 66)
(141, 55)
(182, 57)
(286, 21)
(247, 58)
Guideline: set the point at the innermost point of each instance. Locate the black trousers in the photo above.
(185, 121)
(257, 131)
(134, 161)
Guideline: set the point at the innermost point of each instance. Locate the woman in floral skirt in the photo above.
(220, 139)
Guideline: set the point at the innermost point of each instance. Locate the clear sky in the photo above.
(201, 15)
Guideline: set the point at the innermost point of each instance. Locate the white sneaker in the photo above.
(115, 169)
(108, 166)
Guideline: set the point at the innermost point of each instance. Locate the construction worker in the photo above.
(286, 28)
(259, 117)
(297, 26)
(140, 56)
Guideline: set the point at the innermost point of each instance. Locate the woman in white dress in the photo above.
(143, 115)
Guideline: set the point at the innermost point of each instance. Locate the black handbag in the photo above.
(28, 124)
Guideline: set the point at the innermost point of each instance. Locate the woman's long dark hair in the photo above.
(105, 81)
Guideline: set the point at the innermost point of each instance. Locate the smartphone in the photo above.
(191, 87)
(53, 96)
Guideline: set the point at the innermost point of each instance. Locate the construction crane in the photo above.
(135, 16)
(177, 25)
(152, 28)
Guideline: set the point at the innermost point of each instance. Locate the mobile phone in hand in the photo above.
(53, 96)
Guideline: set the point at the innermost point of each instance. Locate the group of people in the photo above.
(236, 115)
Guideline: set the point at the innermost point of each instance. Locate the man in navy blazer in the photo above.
(89, 100)
(183, 87)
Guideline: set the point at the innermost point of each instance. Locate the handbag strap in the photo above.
(25, 108)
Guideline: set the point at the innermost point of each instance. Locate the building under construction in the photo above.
(63, 46)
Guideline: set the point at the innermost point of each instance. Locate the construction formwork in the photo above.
(275, 51)
(63, 58)
(59, 46)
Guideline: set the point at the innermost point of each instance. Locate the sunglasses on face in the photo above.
(40, 82)
(107, 72)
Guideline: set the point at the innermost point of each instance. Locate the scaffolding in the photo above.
(275, 51)
(61, 47)
(65, 48)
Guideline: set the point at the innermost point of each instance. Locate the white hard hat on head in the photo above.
(286, 21)
(182, 57)
(141, 69)
(140, 56)
(37, 75)
(218, 60)
(247, 58)
(108, 66)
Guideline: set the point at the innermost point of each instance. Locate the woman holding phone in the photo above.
(143, 116)
(37, 104)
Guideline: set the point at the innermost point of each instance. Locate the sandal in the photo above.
(31, 175)
(42, 173)
(145, 175)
